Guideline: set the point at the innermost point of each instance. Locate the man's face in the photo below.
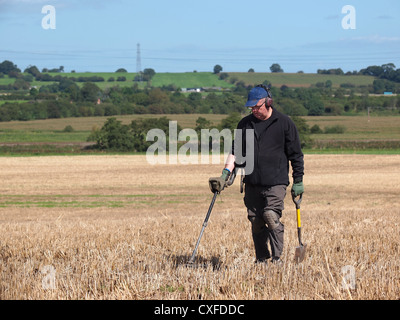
(260, 110)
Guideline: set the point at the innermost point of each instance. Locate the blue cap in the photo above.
(255, 95)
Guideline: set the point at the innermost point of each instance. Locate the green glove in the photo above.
(218, 184)
(297, 188)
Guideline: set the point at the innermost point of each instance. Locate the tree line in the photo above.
(65, 98)
(90, 100)
(115, 136)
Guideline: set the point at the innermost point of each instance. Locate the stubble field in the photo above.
(115, 227)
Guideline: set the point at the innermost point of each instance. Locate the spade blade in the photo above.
(300, 253)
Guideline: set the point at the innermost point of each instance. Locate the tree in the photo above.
(72, 89)
(113, 136)
(121, 70)
(315, 107)
(202, 123)
(90, 92)
(337, 71)
(388, 67)
(275, 68)
(292, 107)
(21, 84)
(223, 76)
(33, 92)
(7, 66)
(379, 86)
(374, 71)
(231, 121)
(217, 69)
(148, 73)
(328, 84)
(139, 129)
(304, 131)
(33, 70)
(389, 71)
(157, 96)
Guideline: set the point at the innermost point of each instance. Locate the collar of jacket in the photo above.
(274, 116)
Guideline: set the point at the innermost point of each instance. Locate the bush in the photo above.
(292, 108)
(338, 129)
(231, 121)
(68, 128)
(116, 136)
(304, 131)
(315, 107)
(315, 129)
(113, 136)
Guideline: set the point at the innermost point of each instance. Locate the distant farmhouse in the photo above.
(191, 89)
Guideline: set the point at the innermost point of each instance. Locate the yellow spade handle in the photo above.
(298, 218)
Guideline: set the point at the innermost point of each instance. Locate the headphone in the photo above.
(268, 100)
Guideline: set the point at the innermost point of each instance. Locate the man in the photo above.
(276, 142)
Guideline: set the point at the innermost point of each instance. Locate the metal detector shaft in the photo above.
(191, 260)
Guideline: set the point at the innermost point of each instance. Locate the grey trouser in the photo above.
(264, 208)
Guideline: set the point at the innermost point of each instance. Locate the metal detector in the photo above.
(191, 260)
(229, 182)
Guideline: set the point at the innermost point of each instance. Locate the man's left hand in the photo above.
(297, 188)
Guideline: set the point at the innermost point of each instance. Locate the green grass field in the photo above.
(42, 136)
(11, 101)
(358, 128)
(6, 80)
(208, 79)
(180, 80)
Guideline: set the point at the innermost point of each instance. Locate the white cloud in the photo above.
(22, 6)
(332, 17)
(13, 2)
(377, 39)
(385, 17)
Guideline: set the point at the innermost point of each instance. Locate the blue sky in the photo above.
(183, 36)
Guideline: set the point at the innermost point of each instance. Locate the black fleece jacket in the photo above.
(276, 142)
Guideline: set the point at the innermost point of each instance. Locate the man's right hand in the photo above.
(218, 184)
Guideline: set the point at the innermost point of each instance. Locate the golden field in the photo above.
(116, 227)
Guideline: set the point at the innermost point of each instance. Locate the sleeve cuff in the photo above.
(297, 179)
